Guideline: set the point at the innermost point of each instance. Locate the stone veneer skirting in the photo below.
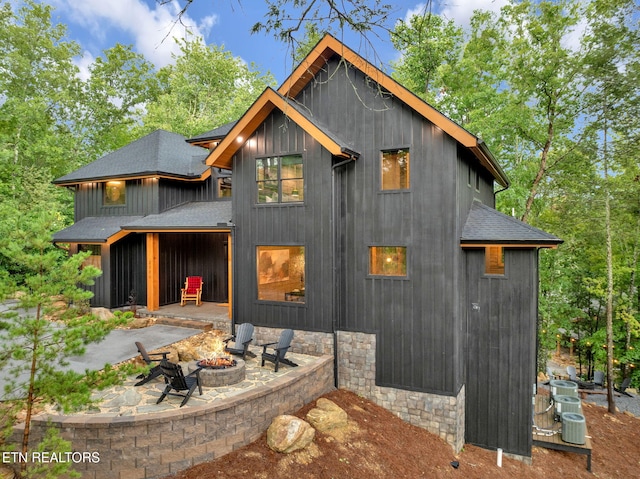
(441, 415)
(155, 445)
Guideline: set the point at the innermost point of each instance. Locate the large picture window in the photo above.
(395, 169)
(388, 260)
(114, 193)
(281, 272)
(280, 179)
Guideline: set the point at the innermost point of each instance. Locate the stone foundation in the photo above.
(441, 415)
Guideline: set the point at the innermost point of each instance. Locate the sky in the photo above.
(149, 26)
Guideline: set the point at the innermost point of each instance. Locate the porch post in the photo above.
(153, 271)
(230, 274)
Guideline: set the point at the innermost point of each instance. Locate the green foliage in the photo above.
(200, 91)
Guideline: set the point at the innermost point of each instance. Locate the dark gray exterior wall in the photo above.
(416, 319)
(308, 225)
(500, 351)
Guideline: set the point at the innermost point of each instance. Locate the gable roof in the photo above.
(158, 154)
(222, 155)
(485, 226)
(329, 46)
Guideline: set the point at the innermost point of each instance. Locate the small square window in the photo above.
(494, 260)
(114, 193)
(395, 169)
(95, 258)
(388, 260)
(280, 273)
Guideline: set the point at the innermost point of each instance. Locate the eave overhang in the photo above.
(222, 155)
(329, 46)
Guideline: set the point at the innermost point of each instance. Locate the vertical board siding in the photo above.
(501, 352)
(193, 254)
(128, 270)
(307, 224)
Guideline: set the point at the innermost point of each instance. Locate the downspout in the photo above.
(334, 264)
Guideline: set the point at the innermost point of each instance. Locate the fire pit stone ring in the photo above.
(214, 377)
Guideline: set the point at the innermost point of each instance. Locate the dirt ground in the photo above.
(377, 444)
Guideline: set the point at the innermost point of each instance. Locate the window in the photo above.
(494, 260)
(114, 193)
(388, 260)
(395, 169)
(280, 179)
(96, 254)
(224, 187)
(280, 271)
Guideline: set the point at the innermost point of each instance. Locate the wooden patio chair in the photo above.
(176, 380)
(279, 350)
(155, 371)
(192, 290)
(622, 388)
(241, 340)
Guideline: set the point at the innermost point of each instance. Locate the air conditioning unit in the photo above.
(560, 387)
(574, 428)
(567, 404)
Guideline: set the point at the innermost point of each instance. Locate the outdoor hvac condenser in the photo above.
(567, 404)
(560, 387)
(574, 428)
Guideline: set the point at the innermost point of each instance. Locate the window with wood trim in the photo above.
(114, 193)
(388, 260)
(395, 169)
(280, 272)
(95, 258)
(494, 260)
(280, 179)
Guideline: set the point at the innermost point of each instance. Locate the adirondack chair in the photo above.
(176, 380)
(622, 388)
(279, 350)
(192, 290)
(241, 340)
(598, 379)
(155, 371)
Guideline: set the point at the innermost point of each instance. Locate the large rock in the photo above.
(102, 313)
(327, 415)
(289, 433)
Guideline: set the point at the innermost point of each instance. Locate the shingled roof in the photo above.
(488, 226)
(93, 229)
(161, 153)
(198, 215)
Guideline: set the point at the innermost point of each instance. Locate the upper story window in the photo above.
(114, 193)
(224, 187)
(395, 169)
(280, 179)
(388, 260)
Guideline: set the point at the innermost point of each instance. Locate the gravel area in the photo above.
(623, 403)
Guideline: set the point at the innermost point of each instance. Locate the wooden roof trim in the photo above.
(527, 244)
(202, 177)
(222, 155)
(329, 46)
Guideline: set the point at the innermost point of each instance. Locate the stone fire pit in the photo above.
(214, 377)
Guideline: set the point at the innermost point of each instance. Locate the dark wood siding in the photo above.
(500, 344)
(128, 270)
(194, 254)
(141, 199)
(173, 193)
(308, 224)
(415, 318)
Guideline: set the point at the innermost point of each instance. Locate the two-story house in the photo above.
(362, 218)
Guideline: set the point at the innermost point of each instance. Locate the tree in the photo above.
(41, 332)
(205, 88)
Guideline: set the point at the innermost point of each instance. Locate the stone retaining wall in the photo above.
(441, 415)
(158, 444)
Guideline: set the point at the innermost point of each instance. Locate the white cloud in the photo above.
(460, 11)
(149, 26)
(83, 63)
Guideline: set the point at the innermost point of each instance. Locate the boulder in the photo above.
(138, 323)
(102, 313)
(327, 415)
(289, 433)
(188, 352)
